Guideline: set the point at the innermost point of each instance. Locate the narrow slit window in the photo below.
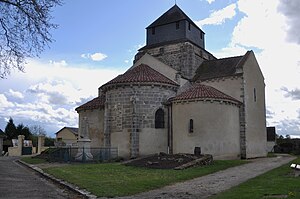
(189, 26)
(201, 35)
(254, 94)
(159, 119)
(191, 126)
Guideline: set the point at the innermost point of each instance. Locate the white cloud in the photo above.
(210, 1)
(95, 57)
(53, 91)
(263, 27)
(219, 17)
(4, 103)
(15, 94)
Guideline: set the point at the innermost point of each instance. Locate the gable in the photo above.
(160, 67)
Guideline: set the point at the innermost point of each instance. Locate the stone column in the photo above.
(41, 142)
(20, 144)
(84, 144)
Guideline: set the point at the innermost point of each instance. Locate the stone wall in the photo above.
(184, 56)
(129, 110)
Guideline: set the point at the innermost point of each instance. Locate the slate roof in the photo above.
(72, 129)
(95, 103)
(174, 14)
(220, 68)
(199, 91)
(141, 74)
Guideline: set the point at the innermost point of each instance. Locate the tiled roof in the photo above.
(220, 67)
(174, 14)
(199, 91)
(141, 74)
(95, 103)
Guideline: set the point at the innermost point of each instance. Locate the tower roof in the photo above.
(199, 91)
(141, 74)
(172, 15)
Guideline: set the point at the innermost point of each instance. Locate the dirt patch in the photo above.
(167, 161)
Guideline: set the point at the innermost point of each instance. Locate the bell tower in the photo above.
(177, 41)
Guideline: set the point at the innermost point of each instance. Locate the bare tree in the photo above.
(24, 31)
(37, 130)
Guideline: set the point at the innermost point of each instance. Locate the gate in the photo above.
(26, 150)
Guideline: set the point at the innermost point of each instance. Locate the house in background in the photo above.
(177, 96)
(67, 136)
(271, 138)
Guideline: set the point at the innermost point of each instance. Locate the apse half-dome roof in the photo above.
(141, 74)
(199, 91)
(95, 103)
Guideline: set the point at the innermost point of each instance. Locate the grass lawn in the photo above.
(114, 179)
(33, 160)
(275, 183)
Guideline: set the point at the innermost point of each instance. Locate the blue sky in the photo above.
(97, 40)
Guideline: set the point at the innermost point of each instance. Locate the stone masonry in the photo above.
(184, 57)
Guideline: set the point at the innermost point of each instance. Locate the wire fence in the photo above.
(76, 154)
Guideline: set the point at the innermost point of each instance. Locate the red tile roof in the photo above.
(199, 91)
(141, 74)
(95, 103)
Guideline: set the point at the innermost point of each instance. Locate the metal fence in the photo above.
(76, 154)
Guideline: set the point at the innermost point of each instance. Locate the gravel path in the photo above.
(212, 184)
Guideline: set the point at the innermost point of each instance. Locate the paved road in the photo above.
(17, 181)
(212, 184)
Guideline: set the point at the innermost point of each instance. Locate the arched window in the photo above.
(159, 119)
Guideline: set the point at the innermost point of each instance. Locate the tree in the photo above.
(37, 130)
(23, 130)
(24, 31)
(10, 130)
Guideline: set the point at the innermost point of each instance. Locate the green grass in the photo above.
(33, 160)
(279, 181)
(114, 179)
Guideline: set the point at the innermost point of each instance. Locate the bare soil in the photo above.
(163, 161)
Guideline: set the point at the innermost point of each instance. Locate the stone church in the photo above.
(178, 96)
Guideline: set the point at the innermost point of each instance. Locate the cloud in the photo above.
(269, 114)
(288, 127)
(15, 94)
(58, 63)
(293, 94)
(4, 103)
(290, 8)
(51, 90)
(219, 17)
(210, 1)
(95, 57)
